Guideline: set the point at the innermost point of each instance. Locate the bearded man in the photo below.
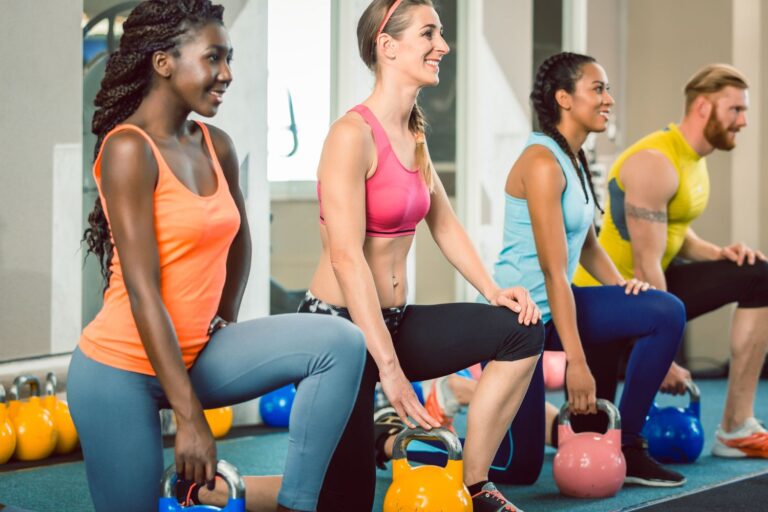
(657, 187)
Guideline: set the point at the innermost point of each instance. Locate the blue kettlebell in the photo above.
(275, 406)
(675, 434)
(235, 503)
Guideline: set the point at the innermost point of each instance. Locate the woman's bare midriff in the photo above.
(386, 258)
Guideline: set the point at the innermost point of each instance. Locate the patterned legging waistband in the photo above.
(311, 304)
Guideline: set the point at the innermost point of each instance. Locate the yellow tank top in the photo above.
(686, 205)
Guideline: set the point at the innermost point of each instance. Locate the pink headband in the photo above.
(390, 12)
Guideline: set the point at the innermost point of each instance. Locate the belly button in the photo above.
(394, 282)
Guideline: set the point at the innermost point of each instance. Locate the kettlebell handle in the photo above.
(693, 391)
(2, 394)
(614, 418)
(51, 383)
(223, 469)
(443, 435)
(21, 381)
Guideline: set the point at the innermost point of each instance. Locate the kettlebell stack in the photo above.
(7, 431)
(67, 438)
(36, 434)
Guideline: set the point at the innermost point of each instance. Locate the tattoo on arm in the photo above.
(645, 214)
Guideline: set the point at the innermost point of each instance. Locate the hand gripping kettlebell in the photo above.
(427, 487)
(235, 503)
(62, 419)
(35, 432)
(589, 464)
(7, 432)
(675, 434)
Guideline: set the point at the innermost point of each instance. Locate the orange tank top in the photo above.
(194, 234)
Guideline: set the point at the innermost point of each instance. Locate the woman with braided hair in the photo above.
(171, 234)
(548, 230)
(375, 183)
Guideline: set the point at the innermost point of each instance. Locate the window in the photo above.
(298, 87)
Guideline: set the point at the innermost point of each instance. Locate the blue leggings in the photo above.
(605, 314)
(703, 286)
(116, 411)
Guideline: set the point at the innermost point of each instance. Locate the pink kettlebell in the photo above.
(588, 464)
(553, 364)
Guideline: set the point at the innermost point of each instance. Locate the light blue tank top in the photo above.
(518, 263)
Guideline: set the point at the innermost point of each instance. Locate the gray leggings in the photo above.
(116, 411)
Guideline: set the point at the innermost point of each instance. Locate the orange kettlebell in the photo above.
(13, 403)
(7, 432)
(588, 464)
(219, 420)
(424, 488)
(66, 434)
(35, 432)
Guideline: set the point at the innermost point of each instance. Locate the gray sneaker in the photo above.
(386, 423)
(490, 499)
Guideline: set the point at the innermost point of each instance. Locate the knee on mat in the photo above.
(522, 472)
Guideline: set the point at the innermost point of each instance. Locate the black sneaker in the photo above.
(386, 423)
(490, 499)
(642, 469)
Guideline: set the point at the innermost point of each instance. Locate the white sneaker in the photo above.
(749, 440)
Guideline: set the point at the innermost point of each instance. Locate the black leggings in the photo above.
(430, 341)
(703, 287)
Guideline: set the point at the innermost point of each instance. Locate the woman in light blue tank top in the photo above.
(548, 229)
(519, 260)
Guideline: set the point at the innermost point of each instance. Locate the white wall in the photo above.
(493, 115)
(243, 116)
(649, 55)
(42, 108)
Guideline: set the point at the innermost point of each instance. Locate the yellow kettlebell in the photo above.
(65, 428)
(427, 488)
(35, 432)
(219, 420)
(7, 432)
(13, 404)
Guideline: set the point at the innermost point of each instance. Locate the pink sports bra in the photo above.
(396, 198)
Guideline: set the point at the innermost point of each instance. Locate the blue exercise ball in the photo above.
(275, 406)
(419, 390)
(465, 373)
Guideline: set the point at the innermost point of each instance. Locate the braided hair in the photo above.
(561, 72)
(153, 25)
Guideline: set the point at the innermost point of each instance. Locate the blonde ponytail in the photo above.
(417, 125)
